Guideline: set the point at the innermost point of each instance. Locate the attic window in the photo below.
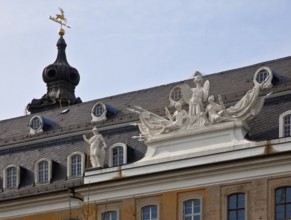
(98, 112)
(43, 171)
(117, 154)
(36, 125)
(262, 75)
(177, 94)
(285, 124)
(11, 177)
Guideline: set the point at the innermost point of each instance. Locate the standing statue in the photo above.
(199, 95)
(97, 148)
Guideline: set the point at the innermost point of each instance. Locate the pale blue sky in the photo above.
(124, 45)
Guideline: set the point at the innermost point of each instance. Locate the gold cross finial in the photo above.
(60, 18)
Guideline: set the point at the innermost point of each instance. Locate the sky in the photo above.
(120, 46)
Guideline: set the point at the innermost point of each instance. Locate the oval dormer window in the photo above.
(264, 76)
(36, 125)
(98, 112)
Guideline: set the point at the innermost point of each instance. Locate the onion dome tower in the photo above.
(60, 77)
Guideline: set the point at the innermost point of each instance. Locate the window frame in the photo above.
(150, 206)
(147, 202)
(69, 165)
(39, 130)
(36, 171)
(124, 147)
(101, 212)
(5, 182)
(282, 123)
(262, 75)
(269, 78)
(102, 117)
(176, 94)
(188, 198)
(236, 209)
(285, 203)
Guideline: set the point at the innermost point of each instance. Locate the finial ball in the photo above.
(61, 32)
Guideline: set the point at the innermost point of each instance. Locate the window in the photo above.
(283, 203)
(236, 206)
(43, 171)
(285, 124)
(75, 164)
(98, 112)
(117, 154)
(262, 75)
(192, 209)
(36, 125)
(149, 212)
(148, 208)
(109, 215)
(177, 94)
(11, 176)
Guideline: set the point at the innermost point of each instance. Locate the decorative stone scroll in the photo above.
(247, 108)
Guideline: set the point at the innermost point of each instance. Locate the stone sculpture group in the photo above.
(215, 112)
(197, 116)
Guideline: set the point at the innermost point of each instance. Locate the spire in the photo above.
(60, 78)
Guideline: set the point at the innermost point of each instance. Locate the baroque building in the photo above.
(213, 147)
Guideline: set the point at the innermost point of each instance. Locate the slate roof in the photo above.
(17, 146)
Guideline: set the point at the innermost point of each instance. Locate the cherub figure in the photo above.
(216, 111)
(177, 121)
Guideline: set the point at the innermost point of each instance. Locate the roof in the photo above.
(65, 135)
(232, 85)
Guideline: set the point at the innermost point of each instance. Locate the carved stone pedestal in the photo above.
(206, 140)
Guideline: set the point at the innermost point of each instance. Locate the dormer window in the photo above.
(43, 171)
(98, 112)
(117, 154)
(11, 176)
(262, 75)
(180, 94)
(75, 164)
(285, 124)
(177, 94)
(36, 125)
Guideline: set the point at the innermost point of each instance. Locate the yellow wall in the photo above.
(259, 202)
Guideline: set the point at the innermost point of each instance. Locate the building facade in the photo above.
(213, 147)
